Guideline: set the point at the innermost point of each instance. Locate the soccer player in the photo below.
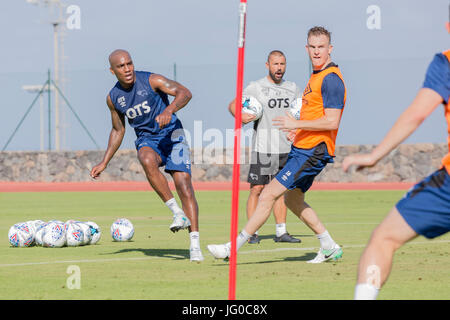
(142, 97)
(270, 147)
(323, 101)
(425, 209)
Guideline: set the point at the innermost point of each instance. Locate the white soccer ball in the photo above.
(295, 108)
(87, 236)
(37, 224)
(39, 233)
(74, 234)
(96, 232)
(54, 235)
(21, 235)
(122, 230)
(252, 106)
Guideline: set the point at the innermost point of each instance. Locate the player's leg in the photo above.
(280, 213)
(185, 190)
(424, 210)
(376, 261)
(257, 181)
(329, 250)
(252, 202)
(150, 161)
(189, 203)
(268, 196)
(178, 164)
(280, 208)
(267, 199)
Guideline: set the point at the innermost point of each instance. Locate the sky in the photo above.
(383, 59)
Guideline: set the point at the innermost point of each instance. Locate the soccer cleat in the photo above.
(325, 255)
(219, 251)
(196, 254)
(180, 221)
(254, 239)
(286, 237)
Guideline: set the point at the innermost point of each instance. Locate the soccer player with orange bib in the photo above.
(425, 209)
(313, 148)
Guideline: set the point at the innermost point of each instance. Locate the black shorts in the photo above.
(265, 166)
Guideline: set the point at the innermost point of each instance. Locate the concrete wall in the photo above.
(408, 163)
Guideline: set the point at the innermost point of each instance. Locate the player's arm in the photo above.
(182, 96)
(115, 139)
(333, 94)
(246, 117)
(329, 121)
(422, 106)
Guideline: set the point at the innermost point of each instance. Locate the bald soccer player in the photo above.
(142, 98)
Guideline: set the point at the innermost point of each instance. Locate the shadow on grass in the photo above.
(272, 236)
(174, 254)
(306, 257)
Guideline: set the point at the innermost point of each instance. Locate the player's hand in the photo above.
(285, 123)
(247, 117)
(164, 118)
(95, 172)
(291, 135)
(359, 160)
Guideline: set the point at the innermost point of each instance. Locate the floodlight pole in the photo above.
(56, 80)
(49, 112)
(40, 89)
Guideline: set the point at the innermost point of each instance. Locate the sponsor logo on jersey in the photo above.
(138, 110)
(122, 102)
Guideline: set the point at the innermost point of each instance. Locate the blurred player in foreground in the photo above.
(270, 147)
(323, 101)
(142, 97)
(425, 209)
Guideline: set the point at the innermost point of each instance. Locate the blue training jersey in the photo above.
(141, 105)
(438, 76)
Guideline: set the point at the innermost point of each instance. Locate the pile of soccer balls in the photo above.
(72, 233)
(54, 233)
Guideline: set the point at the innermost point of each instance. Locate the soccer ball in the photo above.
(87, 236)
(39, 233)
(96, 233)
(36, 224)
(295, 108)
(21, 235)
(54, 235)
(122, 230)
(252, 106)
(74, 234)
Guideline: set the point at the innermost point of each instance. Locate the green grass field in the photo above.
(155, 264)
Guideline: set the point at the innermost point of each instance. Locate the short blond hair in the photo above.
(318, 30)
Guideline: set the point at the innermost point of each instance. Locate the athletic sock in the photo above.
(173, 206)
(195, 239)
(365, 291)
(326, 242)
(280, 229)
(241, 239)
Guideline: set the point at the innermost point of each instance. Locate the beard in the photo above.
(274, 77)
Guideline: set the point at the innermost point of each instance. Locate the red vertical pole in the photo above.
(237, 150)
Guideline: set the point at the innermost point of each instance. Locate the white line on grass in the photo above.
(240, 252)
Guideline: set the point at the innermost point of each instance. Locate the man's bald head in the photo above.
(117, 54)
(122, 67)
